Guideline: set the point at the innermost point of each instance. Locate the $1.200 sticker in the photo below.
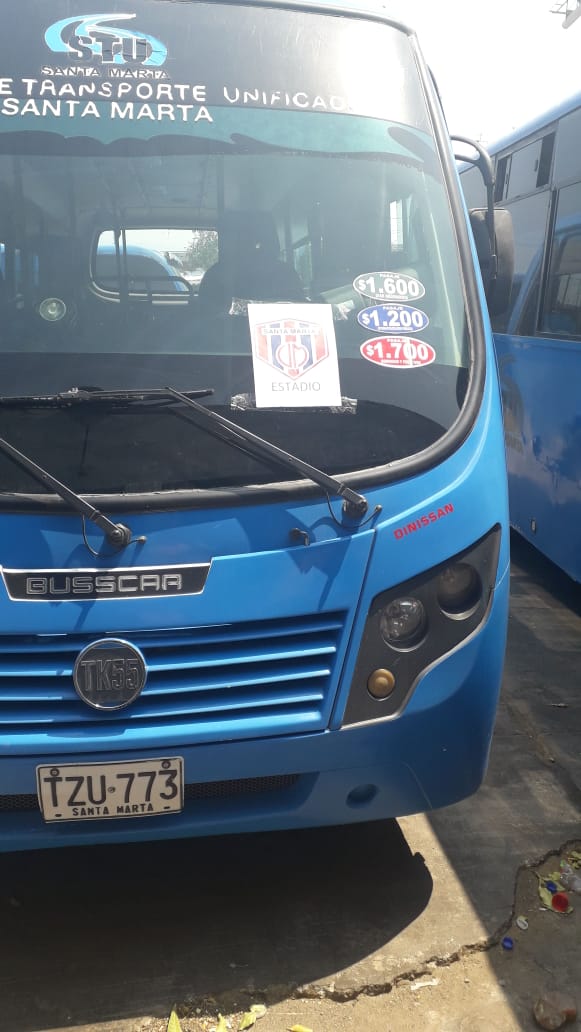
(398, 352)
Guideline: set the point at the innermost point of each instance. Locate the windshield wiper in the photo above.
(117, 534)
(354, 505)
(91, 394)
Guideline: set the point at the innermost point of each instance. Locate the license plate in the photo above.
(101, 791)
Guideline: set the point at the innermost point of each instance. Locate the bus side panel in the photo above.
(543, 444)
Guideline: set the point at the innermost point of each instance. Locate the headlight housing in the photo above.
(411, 626)
(459, 589)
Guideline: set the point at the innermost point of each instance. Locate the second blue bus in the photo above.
(538, 334)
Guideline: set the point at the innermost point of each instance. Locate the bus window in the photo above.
(524, 164)
(562, 309)
(153, 261)
(526, 169)
(529, 216)
(473, 188)
(502, 170)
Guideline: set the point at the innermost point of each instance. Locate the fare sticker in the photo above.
(398, 352)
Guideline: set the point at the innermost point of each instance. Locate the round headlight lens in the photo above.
(403, 623)
(459, 589)
(52, 309)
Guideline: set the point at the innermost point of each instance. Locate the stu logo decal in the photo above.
(291, 346)
(91, 38)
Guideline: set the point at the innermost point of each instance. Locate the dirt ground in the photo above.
(481, 988)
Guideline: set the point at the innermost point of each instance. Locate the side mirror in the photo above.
(493, 235)
(496, 264)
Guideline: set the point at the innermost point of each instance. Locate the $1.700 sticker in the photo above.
(398, 352)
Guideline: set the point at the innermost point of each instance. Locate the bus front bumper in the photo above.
(433, 754)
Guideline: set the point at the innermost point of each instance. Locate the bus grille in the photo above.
(192, 793)
(204, 684)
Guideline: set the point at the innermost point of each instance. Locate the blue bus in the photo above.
(254, 552)
(538, 335)
(139, 269)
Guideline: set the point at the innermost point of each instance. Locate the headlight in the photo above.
(402, 623)
(459, 589)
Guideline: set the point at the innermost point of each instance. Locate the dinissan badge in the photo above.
(294, 355)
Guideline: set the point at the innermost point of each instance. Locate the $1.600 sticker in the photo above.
(389, 286)
(398, 352)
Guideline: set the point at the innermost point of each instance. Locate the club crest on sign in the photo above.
(291, 346)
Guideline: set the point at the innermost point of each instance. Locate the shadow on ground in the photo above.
(101, 934)
(530, 803)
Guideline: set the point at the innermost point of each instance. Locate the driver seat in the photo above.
(249, 266)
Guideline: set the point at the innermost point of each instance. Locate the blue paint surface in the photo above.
(250, 678)
(540, 390)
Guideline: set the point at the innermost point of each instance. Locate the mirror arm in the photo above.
(484, 163)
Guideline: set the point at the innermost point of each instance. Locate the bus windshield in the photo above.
(191, 208)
